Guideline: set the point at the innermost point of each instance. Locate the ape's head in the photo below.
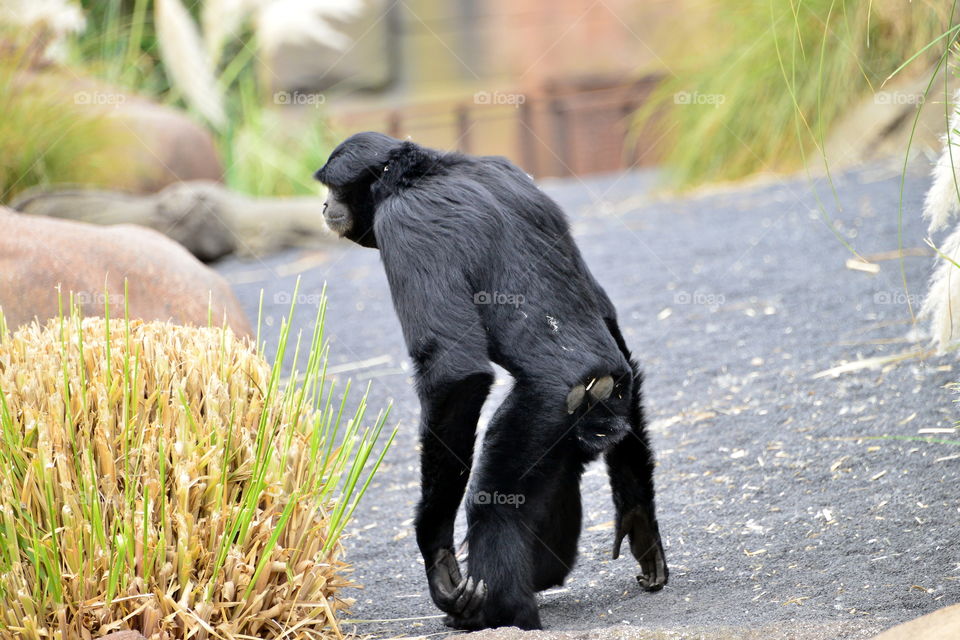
(350, 174)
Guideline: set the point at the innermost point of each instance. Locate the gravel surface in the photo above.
(791, 506)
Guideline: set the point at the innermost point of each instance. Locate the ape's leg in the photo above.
(447, 430)
(509, 490)
(630, 466)
(558, 528)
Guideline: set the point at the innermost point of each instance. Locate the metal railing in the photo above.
(562, 129)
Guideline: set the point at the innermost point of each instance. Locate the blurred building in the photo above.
(550, 83)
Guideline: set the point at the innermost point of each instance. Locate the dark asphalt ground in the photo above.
(788, 504)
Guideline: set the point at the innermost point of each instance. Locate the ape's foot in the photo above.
(463, 624)
(529, 621)
(646, 547)
(460, 597)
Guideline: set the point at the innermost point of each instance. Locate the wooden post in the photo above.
(394, 124)
(528, 151)
(560, 137)
(629, 154)
(463, 128)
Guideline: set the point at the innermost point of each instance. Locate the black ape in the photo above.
(482, 268)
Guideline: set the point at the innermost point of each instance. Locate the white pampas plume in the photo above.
(221, 20)
(942, 201)
(941, 307)
(63, 17)
(58, 19)
(186, 62)
(299, 21)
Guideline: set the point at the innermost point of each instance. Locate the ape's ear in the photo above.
(405, 165)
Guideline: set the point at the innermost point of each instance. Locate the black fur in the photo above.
(482, 268)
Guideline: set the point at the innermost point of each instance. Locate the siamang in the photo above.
(482, 268)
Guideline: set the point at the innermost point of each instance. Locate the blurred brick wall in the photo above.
(525, 42)
(580, 67)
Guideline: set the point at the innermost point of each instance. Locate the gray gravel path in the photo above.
(789, 506)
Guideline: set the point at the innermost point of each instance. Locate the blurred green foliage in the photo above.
(263, 153)
(755, 86)
(47, 137)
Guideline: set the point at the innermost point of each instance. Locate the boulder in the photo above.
(205, 217)
(165, 282)
(167, 146)
(882, 124)
(160, 144)
(939, 625)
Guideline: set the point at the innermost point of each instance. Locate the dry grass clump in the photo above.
(161, 479)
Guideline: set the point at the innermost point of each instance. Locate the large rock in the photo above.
(167, 146)
(160, 144)
(939, 625)
(205, 217)
(165, 282)
(882, 124)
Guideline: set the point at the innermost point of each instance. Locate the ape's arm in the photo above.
(448, 345)
(630, 466)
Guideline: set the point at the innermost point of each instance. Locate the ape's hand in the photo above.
(453, 594)
(645, 545)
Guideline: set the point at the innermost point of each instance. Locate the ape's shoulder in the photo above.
(405, 166)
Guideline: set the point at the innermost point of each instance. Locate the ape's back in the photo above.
(543, 309)
(480, 229)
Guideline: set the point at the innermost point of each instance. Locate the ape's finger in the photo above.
(446, 583)
(654, 568)
(465, 585)
(624, 526)
(462, 597)
(618, 541)
(451, 567)
(475, 601)
(653, 581)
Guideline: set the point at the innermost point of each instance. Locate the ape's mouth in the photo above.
(337, 223)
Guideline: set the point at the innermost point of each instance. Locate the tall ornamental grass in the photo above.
(756, 86)
(167, 480)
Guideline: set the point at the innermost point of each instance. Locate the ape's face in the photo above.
(349, 212)
(349, 174)
(336, 214)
